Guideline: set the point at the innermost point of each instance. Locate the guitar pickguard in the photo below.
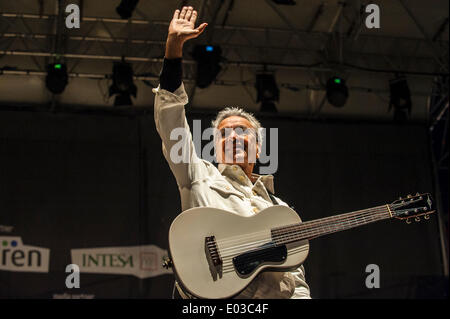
(246, 263)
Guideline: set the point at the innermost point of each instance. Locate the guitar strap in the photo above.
(274, 200)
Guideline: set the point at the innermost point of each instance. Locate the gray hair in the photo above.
(237, 111)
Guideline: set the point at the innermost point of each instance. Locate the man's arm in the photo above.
(171, 97)
(181, 29)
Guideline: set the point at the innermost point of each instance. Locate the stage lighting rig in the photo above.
(208, 59)
(400, 98)
(337, 91)
(268, 92)
(57, 78)
(123, 86)
(126, 7)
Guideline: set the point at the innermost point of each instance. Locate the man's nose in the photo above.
(233, 134)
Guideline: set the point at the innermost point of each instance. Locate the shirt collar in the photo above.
(234, 170)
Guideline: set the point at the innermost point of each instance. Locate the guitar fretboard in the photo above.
(319, 227)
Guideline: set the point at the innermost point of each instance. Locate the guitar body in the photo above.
(216, 253)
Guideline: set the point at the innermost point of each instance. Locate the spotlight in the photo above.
(123, 85)
(268, 92)
(126, 7)
(400, 99)
(337, 91)
(208, 58)
(56, 79)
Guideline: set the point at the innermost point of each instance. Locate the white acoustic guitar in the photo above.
(216, 253)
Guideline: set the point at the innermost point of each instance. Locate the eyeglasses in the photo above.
(238, 130)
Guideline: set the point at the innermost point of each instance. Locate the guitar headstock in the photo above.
(412, 206)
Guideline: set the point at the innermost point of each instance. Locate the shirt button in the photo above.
(227, 188)
(242, 178)
(254, 193)
(255, 209)
(235, 168)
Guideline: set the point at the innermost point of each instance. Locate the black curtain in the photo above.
(74, 181)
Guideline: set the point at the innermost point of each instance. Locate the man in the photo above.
(232, 186)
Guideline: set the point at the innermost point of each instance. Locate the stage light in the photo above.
(126, 7)
(337, 91)
(268, 92)
(57, 78)
(123, 85)
(208, 64)
(400, 99)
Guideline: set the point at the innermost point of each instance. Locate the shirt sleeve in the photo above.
(171, 74)
(301, 287)
(177, 144)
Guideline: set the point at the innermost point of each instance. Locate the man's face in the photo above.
(236, 142)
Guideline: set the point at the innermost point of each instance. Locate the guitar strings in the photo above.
(312, 233)
(351, 219)
(312, 230)
(306, 226)
(303, 224)
(227, 260)
(228, 266)
(300, 228)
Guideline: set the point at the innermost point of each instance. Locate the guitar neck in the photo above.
(319, 227)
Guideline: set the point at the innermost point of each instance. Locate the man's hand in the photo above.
(181, 29)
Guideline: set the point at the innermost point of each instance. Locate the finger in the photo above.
(188, 13)
(193, 17)
(176, 14)
(183, 12)
(201, 31)
(201, 28)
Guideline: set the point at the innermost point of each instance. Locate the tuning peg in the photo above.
(167, 262)
(426, 217)
(417, 219)
(409, 196)
(408, 221)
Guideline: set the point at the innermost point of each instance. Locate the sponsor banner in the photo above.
(139, 261)
(15, 256)
(6, 229)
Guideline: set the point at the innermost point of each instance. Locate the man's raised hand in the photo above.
(182, 26)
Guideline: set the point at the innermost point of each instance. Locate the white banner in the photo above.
(15, 256)
(139, 261)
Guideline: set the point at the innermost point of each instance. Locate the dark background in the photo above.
(100, 180)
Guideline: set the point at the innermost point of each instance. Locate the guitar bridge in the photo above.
(213, 257)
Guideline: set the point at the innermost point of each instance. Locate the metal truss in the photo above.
(439, 116)
(243, 46)
(342, 49)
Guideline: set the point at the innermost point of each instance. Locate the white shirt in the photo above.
(227, 187)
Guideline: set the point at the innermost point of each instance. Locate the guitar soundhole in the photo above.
(246, 263)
